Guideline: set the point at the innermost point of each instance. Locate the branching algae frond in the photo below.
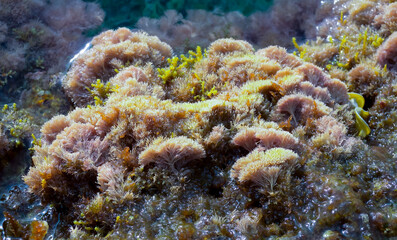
(203, 93)
(174, 70)
(101, 91)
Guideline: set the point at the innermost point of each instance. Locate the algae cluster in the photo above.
(226, 142)
(127, 13)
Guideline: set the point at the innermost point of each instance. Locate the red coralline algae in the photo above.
(133, 81)
(365, 78)
(271, 138)
(138, 117)
(173, 153)
(387, 18)
(313, 74)
(228, 46)
(52, 128)
(338, 90)
(246, 138)
(309, 89)
(280, 55)
(110, 178)
(111, 50)
(240, 69)
(301, 108)
(79, 146)
(328, 127)
(235, 143)
(264, 167)
(263, 138)
(71, 145)
(387, 53)
(216, 137)
(256, 129)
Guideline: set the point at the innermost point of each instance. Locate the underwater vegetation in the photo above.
(261, 27)
(358, 47)
(127, 13)
(36, 40)
(151, 130)
(39, 36)
(229, 141)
